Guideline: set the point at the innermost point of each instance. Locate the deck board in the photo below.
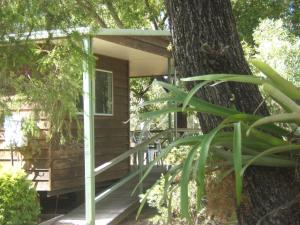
(114, 208)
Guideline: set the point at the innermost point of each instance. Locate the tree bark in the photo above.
(205, 41)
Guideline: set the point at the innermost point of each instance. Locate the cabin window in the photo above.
(103, 90)
(102, 93)
(13, 133)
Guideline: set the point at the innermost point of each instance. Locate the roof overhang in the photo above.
(147, 55)
(146, 50)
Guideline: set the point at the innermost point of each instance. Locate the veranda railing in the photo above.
(139, 150)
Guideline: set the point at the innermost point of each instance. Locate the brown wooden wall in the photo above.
(62, 169)
(36, 165)
(111, 135)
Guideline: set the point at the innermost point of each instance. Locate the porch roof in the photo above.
(147, 55)
(146, 50)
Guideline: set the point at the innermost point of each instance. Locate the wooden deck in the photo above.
(114, 208)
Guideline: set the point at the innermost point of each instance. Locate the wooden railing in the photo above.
(139, 150)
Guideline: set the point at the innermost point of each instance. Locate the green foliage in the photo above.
(249, 13)
(254, 140)
(279, 47)
(19, 203)
(47, 75)
(140, 14)
(142, 91)
(30, 128)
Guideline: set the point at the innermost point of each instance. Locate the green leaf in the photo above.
(157, 113)
(281, 98)
(205, 146)
(277, 149)
(228, 77)
(282, 84)
(192, 93)
(184, 182)
(263, 161)
(263, 137)
(200, 105)
(283, 117)
(161, 100)
(169, 178)
(248, 118)
(240, 117)
(170, 214)
(144, 201)
(237, 160)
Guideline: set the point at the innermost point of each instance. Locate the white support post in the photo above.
(89, 152)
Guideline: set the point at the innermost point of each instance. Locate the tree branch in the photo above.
(152, 17)
(89, 7)
(114, 14)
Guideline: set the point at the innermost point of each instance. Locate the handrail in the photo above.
(105, 166)
(112, 188)
(142, 146)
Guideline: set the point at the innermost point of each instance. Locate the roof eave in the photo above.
(57, 34)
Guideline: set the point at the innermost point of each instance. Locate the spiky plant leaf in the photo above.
(204, 149)
(228, 77)
(237, 160)
(282, 84)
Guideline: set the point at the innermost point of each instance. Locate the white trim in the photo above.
(57, 34)
(107, 71)
(102, 114)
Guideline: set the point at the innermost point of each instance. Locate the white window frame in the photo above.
(94, 94)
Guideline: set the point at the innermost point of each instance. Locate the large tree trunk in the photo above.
(206, 41)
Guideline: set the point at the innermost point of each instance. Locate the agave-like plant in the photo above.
(253, 139)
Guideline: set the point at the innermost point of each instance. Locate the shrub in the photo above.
(19, 203)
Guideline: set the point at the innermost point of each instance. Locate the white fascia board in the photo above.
(56, 34)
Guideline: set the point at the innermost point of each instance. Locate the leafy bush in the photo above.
(19, 203)
(250, 139)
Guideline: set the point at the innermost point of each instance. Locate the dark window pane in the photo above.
(103, 92)
(79, 104)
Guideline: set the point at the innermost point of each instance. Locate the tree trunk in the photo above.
(205, 41)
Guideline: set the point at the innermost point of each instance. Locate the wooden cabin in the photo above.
(120, 54)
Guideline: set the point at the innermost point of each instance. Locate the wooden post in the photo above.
(89, 152)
